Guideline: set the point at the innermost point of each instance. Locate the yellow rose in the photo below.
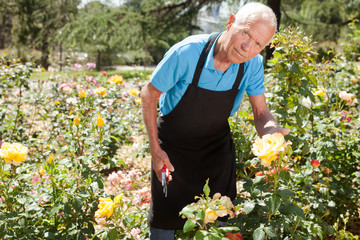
(268, 147)
(100, 91)
(77, 121)
(116, 79)
(320, 92)
(50, 159)
(41, 171)
(14, 152)
(220, 206)
(106, 208)
(82, 92)
(357, 68)
(118, 198)
(138, 101)
(210, 216)
(134, 92)
(99, 121)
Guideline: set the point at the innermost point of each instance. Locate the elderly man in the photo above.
(200, 83)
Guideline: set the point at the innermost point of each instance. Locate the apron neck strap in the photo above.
(239, 77)
(202, 59)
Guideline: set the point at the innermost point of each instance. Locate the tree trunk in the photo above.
(98, 60)
(60, 52)
(275, 6)
(44, 60)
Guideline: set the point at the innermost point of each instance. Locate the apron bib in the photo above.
(196, 137)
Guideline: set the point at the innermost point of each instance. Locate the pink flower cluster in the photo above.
(344, 117)
(91, 79)
(131, 181)
(91, 65)
(143, 196)
(121, 179)
(135, 233)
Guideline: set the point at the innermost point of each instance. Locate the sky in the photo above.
(108, 2)
(224, 8)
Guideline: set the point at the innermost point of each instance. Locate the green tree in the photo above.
(324, 20)
(147, 28)
(36, 22)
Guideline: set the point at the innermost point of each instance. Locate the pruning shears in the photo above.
(164, 179)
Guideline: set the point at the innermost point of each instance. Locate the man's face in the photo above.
(245, 41)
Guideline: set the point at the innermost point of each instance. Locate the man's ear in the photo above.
(230, 21)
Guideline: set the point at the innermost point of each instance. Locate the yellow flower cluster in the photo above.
(357, 68)
(77, 121)
(133, 91)
(99, 121)
(100, 91)
(320, 92)
(50, 159)
(82, 93)
(220, 206)
(41, 171)
(13, 152)
(268, 147)
(116, 79)
(106, 206)
(138, 101)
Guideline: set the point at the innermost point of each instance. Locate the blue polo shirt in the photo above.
(175, 72)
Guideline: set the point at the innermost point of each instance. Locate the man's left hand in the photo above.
(271, 130)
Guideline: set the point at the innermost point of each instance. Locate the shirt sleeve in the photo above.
(256, 83)
(168, 71)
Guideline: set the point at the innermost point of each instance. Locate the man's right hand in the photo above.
(149, 98)
(159, 158)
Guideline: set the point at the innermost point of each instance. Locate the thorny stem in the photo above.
(101, 137)
(17, 113)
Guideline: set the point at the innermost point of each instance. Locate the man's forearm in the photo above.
(149, 98)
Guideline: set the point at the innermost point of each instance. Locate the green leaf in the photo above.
(188, 212)
(270, 231)
(200, 215)
(189, 225)
(274, 203)
(77, 204)
(297, 211)
(286, 192)
(258, 179)
(100, 183)
(249, 206)
(55, 210)
(229, 229)
(200, 234)
(21, 200)
(293, 67)
(112, 234)
(259, 234)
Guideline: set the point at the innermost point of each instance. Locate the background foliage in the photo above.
(140, 32)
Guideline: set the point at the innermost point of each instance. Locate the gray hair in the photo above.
(256, 10)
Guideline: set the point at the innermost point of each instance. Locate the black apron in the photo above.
(196, 137)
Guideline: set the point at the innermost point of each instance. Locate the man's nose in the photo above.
(247, 44)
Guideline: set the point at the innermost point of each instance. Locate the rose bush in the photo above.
(83, 139)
